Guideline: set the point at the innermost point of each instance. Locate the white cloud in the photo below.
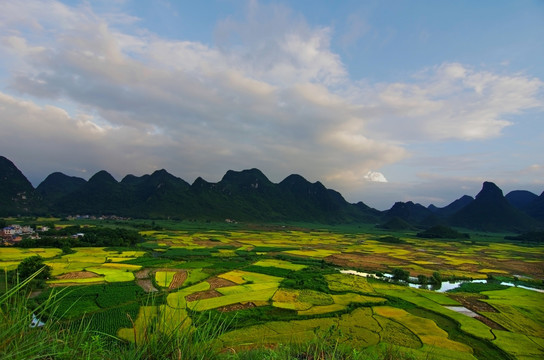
(452, 102)
(375, 176)
(270, 94)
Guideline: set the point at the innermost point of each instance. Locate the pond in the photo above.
(443, 287)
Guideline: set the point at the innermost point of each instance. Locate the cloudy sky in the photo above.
(383, 101)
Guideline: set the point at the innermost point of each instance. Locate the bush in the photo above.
(400, 274)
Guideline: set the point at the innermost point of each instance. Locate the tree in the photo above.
(399, 274)
(32, 264)
(436, 278)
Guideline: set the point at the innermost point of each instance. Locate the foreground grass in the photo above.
(21, 339)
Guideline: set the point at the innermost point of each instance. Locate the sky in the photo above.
(383, 101)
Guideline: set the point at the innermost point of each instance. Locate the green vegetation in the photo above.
(216, 291)
(532, 237)
(470, 287)
(442, 232)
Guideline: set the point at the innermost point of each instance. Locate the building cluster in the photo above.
(92, 217)
(13, 234)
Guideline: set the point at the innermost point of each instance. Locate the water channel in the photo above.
(444, 286)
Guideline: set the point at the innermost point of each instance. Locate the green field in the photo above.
(283, 286)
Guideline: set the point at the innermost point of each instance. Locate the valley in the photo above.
(269, 285)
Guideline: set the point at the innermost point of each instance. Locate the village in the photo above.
(14, 234)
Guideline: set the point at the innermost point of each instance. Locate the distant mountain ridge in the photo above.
(491, 211)
(248, 195)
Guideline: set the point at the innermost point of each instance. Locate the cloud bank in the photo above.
(86, 91)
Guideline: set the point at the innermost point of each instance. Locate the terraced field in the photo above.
(280, 285)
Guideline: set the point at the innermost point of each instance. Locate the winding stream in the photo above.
(444, 286)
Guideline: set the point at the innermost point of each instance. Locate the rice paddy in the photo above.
(286, 286)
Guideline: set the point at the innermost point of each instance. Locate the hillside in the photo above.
(248, 195)
(17, 195)
(490, 211)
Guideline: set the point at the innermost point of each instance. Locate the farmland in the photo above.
(275, 285)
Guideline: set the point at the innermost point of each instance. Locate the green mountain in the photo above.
(536, 208)
(17, 195)
(408, 211)
(490, 211)
(101, 195)
(57, 185)
(248, 195)
(453, 207)
(520, 198)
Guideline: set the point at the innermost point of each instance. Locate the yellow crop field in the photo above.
(332, 287)
(321, 309)
(241, 277)
(349, 298)
(164, 278)
(112, 275)
(238, 297)
(316, 253)
(427, 330)
(280, 264)
(177, 300)
(128, 267)
(155, 321)
(17, 254)
(348, 282)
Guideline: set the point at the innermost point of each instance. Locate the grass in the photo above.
(164, 278)
(521, 346)
(244, 295)
(427, 330)
(322, 312)
(279, 264)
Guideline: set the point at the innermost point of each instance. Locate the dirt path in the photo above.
(179, 278)
(201, 295)
(147, 285)
(78, 275)
(215, 282)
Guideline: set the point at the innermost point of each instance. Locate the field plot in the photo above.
(521, 346)
(426, 330)
(156, 321)
(164, 278)
(92, 257)
(11, 257)
(279, 264)
(283, 284)
(519, 310)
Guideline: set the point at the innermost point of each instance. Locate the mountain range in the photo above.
(249, 195)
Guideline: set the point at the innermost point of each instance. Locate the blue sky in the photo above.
(383, 101)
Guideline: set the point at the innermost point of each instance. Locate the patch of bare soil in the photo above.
(146, 285)
(236, 307)
(142, 274)
(473, 303)
(370, 261)
(201, 295)
(535, 270)
(490, 323)
(206, 243)
(78, 275)
(179, 278)
(217, 282)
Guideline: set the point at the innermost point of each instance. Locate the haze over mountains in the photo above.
(249, 195)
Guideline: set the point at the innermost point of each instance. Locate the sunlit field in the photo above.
(281, 285)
